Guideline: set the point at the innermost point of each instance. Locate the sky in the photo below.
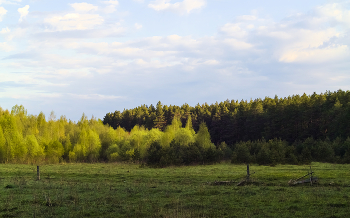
(94, 57)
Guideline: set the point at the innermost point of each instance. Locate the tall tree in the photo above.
(2, 146)
(14, 146)
(35, 151)
(203, 137)
(159, 122)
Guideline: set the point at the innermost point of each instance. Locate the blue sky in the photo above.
(96, 57)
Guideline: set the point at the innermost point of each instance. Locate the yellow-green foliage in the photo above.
(114, 156)
(35, 151)
(54, 151)
(154, 135)
(88, 146)
(2, 145)
(189, 125)
(14, 144)
(33, 138)
(184, 136)
(121, 134)
(170, 132)
(112, 152)
(138, 140)
(203, 137)
(72, 157)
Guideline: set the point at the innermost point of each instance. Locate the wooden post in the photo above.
(310, 176)
(38, 172)
(248, 174)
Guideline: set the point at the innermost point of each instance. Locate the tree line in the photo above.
(291, 118)
(34, 139)
(295, 130)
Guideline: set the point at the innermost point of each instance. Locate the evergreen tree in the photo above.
(346, 157)
(159, 122)
(263, 157)
(241, 153)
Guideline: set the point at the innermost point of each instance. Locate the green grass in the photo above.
(128, 190)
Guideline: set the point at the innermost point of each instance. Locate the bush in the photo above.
(241, 153)
(114, 156)
(154, 154)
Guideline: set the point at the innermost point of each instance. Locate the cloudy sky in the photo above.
(100, 56)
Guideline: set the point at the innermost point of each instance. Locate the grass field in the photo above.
(129, 190)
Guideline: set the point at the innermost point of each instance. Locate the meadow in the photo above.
(134, 190)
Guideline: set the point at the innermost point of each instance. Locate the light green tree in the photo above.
(67, 146)
(138, 140)
(54, 152)
(154, 135)
(203, 137)
(108, 137)
(189, 125)
(170, 132)
(121, 134)
(20, 114)
(2, 146)
(113, 153)
(88, 146)
(15, 149)
(35, 151)
(184, 137)
(94, 146)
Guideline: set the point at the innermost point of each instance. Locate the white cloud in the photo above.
(244, 51)
(16, 33)
(316, 55)
(111, 2)
(110, 9)
(84, 7)
(95, 96)
(138, 26)
(246, 17)
(5, 30)
(3, 11)
(336, 11)
(27, 93)
(24, 12)
(211, 62)
(237, 44)
(111, 6)
(234, 30)
(75, 21)
(5, 47)
(186, 6)
(12, 2)
(318, 38)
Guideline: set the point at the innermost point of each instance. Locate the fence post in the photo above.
(310, 176)
(248, 174)
(38, 172)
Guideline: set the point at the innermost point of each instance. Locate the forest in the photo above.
(294, 130)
